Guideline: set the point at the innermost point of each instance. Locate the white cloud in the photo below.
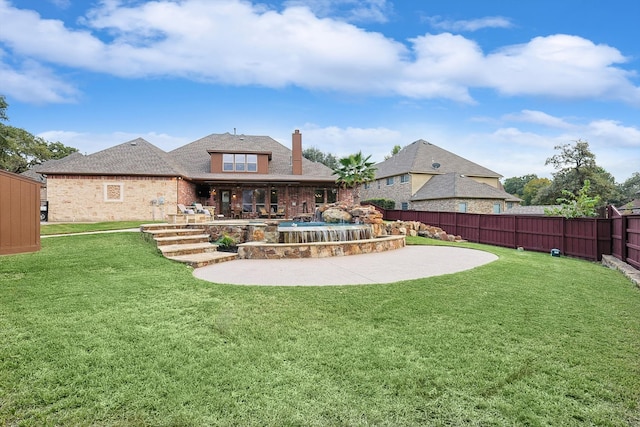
(350, 10)
(469, 25)
(89, 143)
(33, 83)
(341, 142)
(560, 66)
(539, 118)
(240, 43)
(613, 134)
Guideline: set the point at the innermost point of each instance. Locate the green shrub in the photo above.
(225, 241)
(381, 203)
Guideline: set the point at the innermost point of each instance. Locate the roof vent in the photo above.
(435, 165)
(134, 143)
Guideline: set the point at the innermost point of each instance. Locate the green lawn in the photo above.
(101, 330)
(70, 228)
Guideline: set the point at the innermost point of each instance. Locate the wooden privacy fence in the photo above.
(19, 214)
(625, 237)
(587, 238)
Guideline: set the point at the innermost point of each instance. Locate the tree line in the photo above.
(576, 175)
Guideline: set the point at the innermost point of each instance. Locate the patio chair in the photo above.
(183, 210)
(262, 212)
(280, 212)
(201, 210)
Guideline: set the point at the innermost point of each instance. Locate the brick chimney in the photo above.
(296, 153)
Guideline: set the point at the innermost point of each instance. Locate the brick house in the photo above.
(423, 176)
(241, 176)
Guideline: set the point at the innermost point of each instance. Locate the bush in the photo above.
(226, 243)
(381, 203)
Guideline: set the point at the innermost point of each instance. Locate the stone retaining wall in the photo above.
(261, 250)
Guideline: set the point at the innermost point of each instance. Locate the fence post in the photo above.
(623, 238)
(564, 237)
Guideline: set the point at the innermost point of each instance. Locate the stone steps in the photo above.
(186, 243)
(204, 259)
(181, 240)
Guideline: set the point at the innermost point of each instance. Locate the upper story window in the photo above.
(390, 180)
(240, 162)
(404, 178)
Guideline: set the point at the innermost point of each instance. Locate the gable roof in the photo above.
(420, 157)
(192, 161)
(135, 157)
(454, 185)
(196, 161)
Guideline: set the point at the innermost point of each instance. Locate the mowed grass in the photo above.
(101, 330)
(47, 229)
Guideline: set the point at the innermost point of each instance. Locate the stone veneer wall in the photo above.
(109, 198)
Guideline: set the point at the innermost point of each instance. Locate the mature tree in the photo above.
(515, 185)
(532, 189)
(353, 171)
(395, 150)
(576, 164)
(315, 155)
(576, 206)
(3, 109)
(19, 150)
(630, 189)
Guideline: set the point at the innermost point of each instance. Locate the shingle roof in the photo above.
(197, 163)
(139, 157)
(455, 185)
(136, 157)
(35, 174)
(421, 156)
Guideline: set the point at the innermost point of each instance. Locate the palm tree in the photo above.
(353, 171)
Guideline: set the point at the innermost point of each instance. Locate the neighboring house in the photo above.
(237, 175)
(631, 208)
(423, 176)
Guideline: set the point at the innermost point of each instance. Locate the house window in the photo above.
(497, 208)
(405, 206)
(113, 193)
(227, 162)
(404, 178)
(462, 207)
(366, 185)
(260, 196)
(509, 205)
(247, 200)
(390, 180)
(252, 162)
(240, 162)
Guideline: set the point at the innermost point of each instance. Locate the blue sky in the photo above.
(498, 82)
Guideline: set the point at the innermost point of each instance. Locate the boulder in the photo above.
(336, 215)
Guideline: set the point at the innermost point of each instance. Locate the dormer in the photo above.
(244, 161)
